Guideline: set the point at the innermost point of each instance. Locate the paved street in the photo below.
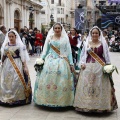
(33, 112)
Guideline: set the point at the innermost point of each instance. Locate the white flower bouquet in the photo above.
(39, 64)
(108, 69)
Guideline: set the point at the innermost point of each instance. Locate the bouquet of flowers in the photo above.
(108, 69)
(39, 64)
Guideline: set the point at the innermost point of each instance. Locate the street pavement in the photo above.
(33, 112)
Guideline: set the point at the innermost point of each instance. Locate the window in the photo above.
(52, 10)
(62, 10)
(58, 19)
(59, 2)
(42, 12)
(58, 10)
(16, 15)
(52, 1)
(62, 20)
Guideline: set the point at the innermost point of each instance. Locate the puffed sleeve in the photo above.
(106, 54)
(45, 50)
(24, 54)
(70, 58)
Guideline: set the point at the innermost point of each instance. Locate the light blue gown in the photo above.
(54, 86)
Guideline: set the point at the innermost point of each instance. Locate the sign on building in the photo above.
(110, 19)
(79, 19)
(114, 1)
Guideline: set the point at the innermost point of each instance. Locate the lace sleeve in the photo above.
(106, 54)
(82, 57)
(45, 49)
(24, 54)
(70, 58)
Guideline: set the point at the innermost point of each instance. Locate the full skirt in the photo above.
(94, 92)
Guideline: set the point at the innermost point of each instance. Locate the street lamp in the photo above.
(52, 20)
(31, 9)
(69, 26)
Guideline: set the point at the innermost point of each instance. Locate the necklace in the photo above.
(95, 43)
(56, 37)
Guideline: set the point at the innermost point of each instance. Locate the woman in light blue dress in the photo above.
(54, 85)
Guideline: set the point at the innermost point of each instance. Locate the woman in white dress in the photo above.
(15, 75)
(94, 92)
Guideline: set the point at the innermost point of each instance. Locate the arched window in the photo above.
(17, 20)
(16, 15)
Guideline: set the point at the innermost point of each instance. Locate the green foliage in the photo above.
(42, 28)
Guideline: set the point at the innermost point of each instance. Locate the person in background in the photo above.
(31, 36)
(21, 33)
(39, 39)
(106, 36)
(2, 36)
(24, 35)
(76, 45)
(38, 49)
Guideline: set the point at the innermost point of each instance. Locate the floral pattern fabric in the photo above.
(94, 92)
(54, 85)
(11, 89)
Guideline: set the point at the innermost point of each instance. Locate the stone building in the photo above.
(16, 13)
(60, 11)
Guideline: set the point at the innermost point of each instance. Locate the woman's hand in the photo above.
(72, 68)
(26, 70)
(83, 66)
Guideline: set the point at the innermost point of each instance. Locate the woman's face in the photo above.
(12, 38)
(72, 31)
(95, 34)
(57, 29)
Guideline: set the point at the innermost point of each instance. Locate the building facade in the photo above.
(60, 10)
(16, 13)
(92, 14)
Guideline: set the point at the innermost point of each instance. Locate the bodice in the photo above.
(13, 50)
(99, 51)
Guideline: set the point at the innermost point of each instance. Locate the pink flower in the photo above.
(48, 86)
(54, 87)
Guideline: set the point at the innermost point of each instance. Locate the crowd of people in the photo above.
(63, 53)
(113, 39)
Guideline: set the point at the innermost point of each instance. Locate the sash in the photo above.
(58, 52)
(96, 57)
(27, 88)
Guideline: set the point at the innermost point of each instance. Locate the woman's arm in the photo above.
(25, 68)
(70, 58)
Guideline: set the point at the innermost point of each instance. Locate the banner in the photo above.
(110, 19)
(114, 1)
(79, 19)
